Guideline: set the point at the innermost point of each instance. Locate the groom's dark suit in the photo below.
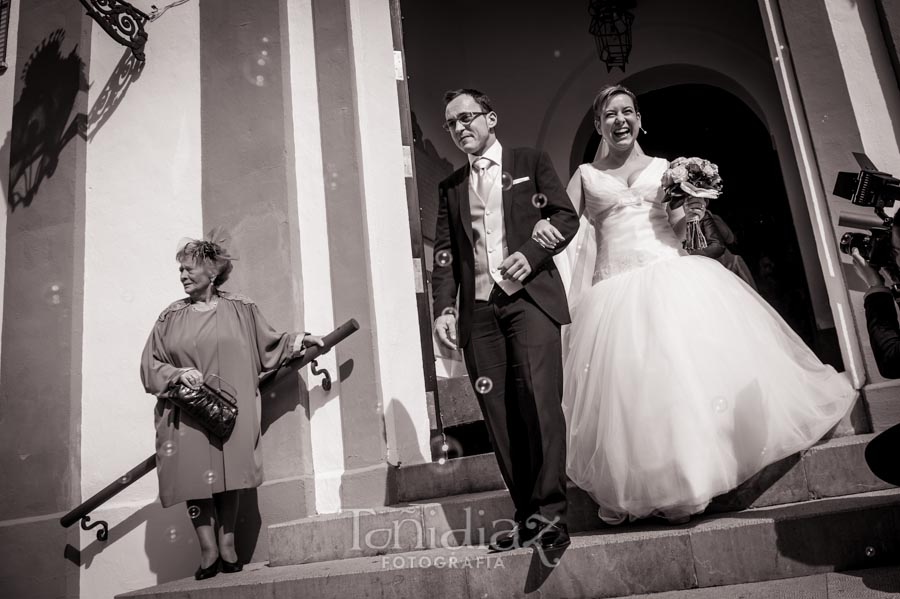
(513, 340)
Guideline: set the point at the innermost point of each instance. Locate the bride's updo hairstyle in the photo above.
(608, 91)
(212, 256)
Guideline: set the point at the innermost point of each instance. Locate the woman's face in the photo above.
(618, 122)
(194, 277)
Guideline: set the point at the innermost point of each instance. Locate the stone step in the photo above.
(787, 541)
(457, 401)
(831, 469)
(834, 458)
(871, 583)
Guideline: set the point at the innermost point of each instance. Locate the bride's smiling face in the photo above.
(618, 121)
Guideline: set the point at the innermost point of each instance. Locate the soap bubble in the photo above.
(194, 512)
(506, 181)
(483, 385)
(539, 200)
(172, 534)
(209, 476)
(447, 449)
(168, 449)
(53, 294)
(124, 480)
(443, 258)
(870, 551)
(720, 405)
(259, 68)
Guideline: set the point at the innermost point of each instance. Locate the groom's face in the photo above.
(475, 137)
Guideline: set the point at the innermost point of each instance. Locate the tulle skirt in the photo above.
(681, 383)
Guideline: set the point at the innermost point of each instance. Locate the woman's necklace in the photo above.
(205, 306)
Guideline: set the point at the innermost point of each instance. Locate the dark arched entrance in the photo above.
(703, 120)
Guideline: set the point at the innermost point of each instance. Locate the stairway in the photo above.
(818, 512)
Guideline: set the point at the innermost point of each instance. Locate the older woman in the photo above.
(211, 332)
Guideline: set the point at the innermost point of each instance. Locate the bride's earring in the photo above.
(642, 130)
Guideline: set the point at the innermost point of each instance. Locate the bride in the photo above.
(680, 382)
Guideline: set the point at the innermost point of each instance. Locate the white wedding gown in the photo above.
(680, 381)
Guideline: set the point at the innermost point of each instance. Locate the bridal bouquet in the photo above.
(695, 177)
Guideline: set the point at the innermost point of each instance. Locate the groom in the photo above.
(511, 306)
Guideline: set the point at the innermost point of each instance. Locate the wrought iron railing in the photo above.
(82, 512)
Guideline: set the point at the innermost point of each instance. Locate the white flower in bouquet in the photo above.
(694, 177)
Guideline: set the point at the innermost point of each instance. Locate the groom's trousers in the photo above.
(516, 346)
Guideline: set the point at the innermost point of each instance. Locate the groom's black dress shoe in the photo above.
(515, 538)
(552, 537)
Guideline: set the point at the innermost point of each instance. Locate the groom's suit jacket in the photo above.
(532, 172)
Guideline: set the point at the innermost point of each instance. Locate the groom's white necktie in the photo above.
(483, 179)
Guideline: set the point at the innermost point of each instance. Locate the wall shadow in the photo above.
(286, 391)
(355, 486)
(281, 395)
(127, 71)
(169, 542)
(43, 122)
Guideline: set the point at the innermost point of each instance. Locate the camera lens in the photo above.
(860, 241)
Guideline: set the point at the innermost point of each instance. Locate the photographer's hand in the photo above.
(866, 272)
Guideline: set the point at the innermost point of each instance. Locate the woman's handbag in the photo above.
(214, 408)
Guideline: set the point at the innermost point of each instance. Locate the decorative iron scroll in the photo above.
(102, 534)
(123, 22)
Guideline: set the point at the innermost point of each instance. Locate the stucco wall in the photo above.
(143, 166)
(40, 375)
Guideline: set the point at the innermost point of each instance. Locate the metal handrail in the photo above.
(126, 480)
(109, 491)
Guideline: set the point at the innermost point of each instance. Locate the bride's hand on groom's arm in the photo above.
(546, 234)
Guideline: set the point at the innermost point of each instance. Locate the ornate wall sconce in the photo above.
(123, 22)
(611, 28)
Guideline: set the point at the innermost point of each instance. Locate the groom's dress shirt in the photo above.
(488, 231)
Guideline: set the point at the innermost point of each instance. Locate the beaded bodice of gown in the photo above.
(631, 222)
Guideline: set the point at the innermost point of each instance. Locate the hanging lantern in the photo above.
(611, 28)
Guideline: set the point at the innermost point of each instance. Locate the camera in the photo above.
(874, 189)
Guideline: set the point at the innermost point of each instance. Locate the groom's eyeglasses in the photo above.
(465, 118)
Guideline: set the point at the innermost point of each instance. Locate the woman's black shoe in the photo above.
(231, 567)
(208, 572)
